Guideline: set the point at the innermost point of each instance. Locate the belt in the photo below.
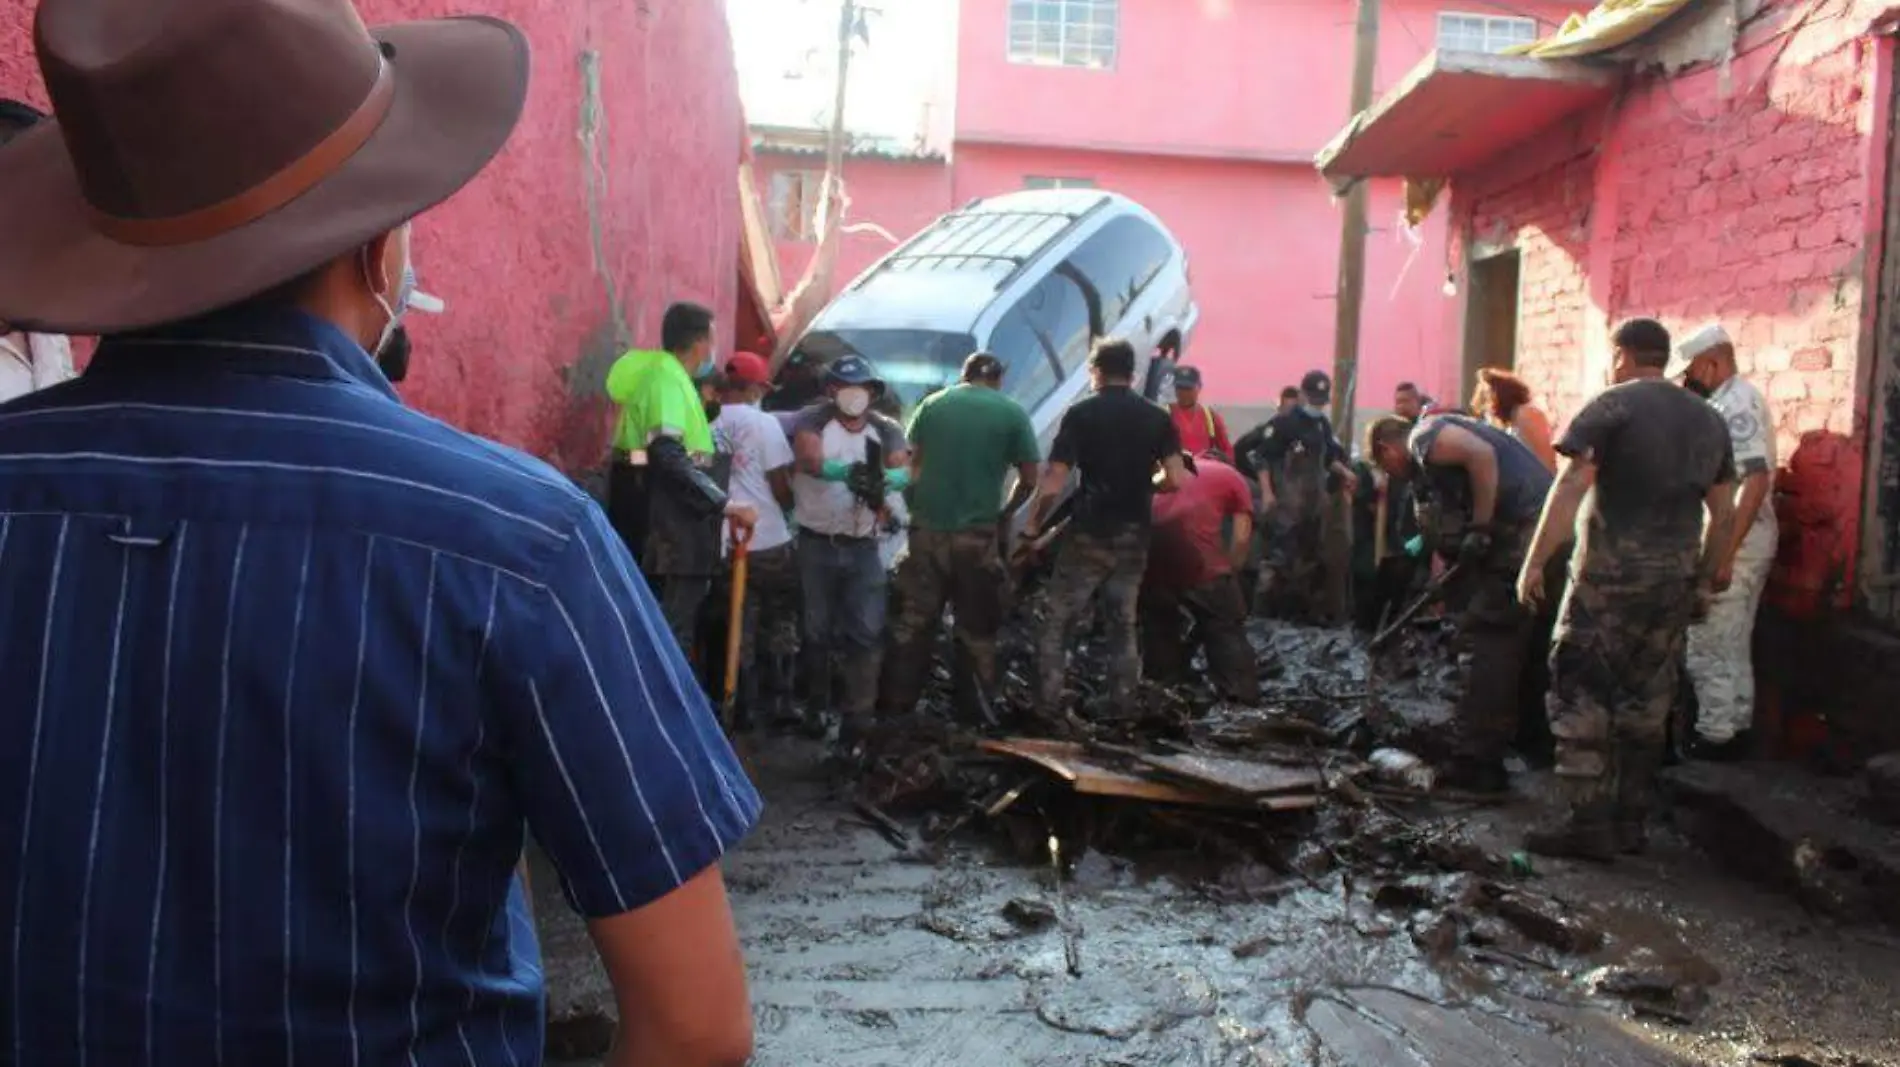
(836, 539)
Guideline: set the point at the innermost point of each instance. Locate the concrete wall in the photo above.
(545, 274)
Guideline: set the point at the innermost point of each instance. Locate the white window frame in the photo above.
(1468, 31)
(792, 199)
(1083, 33)
(1041, 181)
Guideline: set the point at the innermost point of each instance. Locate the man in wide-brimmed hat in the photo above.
(287, 670)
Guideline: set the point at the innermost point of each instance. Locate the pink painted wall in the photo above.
(1258, 78)
(900, 196)
(532, 322)
(1263, 242)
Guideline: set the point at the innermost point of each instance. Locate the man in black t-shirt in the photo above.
(1659, 458)
(1115, 440)
(1300, 466)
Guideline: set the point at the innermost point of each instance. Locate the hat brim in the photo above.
(461, 84)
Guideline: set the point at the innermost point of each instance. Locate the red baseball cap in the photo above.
(749, 368)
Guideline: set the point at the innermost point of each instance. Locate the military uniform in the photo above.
(1494, 629)
(1113, 439)
(1620, 630)
(1719, 659)
(1304, 572)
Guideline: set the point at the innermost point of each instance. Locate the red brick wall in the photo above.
(542, 276)
(1737, 196)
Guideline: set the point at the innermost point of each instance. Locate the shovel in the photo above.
(735, 621)
(1425, 599)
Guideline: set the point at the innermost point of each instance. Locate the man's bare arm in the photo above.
(1243, 540)
(1055, 478)
(1717, 537)
(1173, 474)
(1556, 525)
(678, 979)
(781, 482)
(1266, 492)
(1456, 446)
(808, 451)
(1026, 477)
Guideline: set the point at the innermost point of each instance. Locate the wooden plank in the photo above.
(1070, 762)
(1245, 777)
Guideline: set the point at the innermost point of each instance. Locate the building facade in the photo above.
(1730, 165)
(617, 195)
(1208, 113)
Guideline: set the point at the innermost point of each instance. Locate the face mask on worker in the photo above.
(393, 306)
(1318, 411)
(854, 401)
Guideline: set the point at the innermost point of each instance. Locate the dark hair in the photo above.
(16, 118)
(1646, 340)
(1291, 392)
(1499, 393)
(684, 326)
(982, 367)
(1113, 358)
(1405, 387)
(1385, 430)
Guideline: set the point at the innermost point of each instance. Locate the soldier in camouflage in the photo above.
(1658, 459)
(1305, 491)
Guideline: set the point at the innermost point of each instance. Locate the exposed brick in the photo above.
(1812, 359)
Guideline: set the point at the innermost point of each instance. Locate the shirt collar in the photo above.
(1725, 388)
(264, 340)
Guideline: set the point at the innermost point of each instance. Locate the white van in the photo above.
(1034, 277)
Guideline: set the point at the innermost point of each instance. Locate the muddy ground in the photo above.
(1394, 934)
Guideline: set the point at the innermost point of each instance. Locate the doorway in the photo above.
(1490, 316)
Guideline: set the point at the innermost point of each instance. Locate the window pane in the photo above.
(1028, 376)
(1120, 262)
(1060, 316)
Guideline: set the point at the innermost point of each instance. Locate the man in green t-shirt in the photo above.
(666, 490)
(963, 441)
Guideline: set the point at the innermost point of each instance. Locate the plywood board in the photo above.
(1070, 762)
(1245, 777)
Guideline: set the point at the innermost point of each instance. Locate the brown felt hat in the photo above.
(204, 151)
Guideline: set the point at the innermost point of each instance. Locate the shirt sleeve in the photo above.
(1170, 442)
(1748, 434)
(1220, 436)
(892, 436)
(623, 772)
(1591, 432)
(1236, 497)
(620, 378)
(1725, 470)
(773, 444)
(1063, 449)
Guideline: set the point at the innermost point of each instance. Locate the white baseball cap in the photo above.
(1697, 343)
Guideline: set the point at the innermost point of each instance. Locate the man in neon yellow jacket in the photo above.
(666, 491)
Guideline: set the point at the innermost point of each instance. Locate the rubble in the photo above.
(1881, 780)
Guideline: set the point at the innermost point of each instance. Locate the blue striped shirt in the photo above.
(286, 670)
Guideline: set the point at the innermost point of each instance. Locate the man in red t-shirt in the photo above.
(1200, 428)
(1190, 581)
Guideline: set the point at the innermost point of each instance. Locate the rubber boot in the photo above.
(1588, 832)
(777, 668)
(1635, 792)
(859, 706)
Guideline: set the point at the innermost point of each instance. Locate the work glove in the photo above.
(1475, 546)
(1415, 547)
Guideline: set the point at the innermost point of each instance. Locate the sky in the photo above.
(787, 53)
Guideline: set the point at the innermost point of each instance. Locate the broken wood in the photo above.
(1069, 761)
(883, 824)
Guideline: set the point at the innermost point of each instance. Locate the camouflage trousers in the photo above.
(1212, 616)
(1613, 675)
(961, 568)
(1089, 563)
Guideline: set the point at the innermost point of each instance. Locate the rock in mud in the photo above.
(1436, 935)
(1546, 922)
(1410, 894)
(1030, 915)
(1659, 992)
(1882, 782)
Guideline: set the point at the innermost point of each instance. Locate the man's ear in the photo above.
(382, 257)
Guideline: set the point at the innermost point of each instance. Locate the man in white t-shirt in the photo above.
(762, 479)
(28, 361)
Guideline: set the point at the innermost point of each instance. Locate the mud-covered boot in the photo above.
(1588, 832)
(778, 707)
(858, 707)
(1635, 795)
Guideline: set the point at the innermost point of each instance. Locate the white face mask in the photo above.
(854, 400)
(404, 290)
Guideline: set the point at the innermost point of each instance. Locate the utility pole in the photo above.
(835, 138)
(1352, 234)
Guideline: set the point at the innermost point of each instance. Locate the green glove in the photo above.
(835, 470)
(1415, 547)
(897, 479)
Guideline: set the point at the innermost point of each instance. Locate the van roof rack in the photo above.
(973, 238)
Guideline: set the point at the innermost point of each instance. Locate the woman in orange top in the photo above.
(1503, 399)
